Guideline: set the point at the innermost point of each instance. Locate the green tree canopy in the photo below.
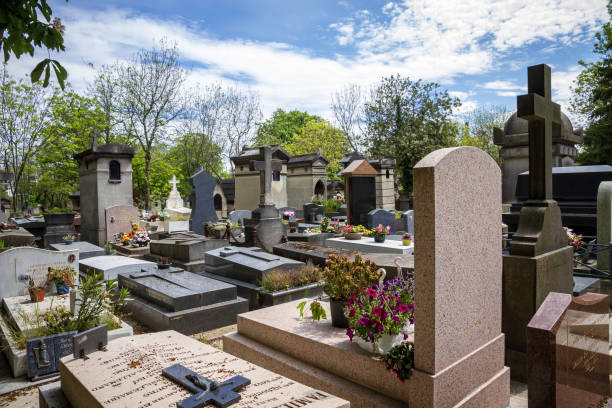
(282, 127)
(315, 135)
(406, 120)
(591, 99)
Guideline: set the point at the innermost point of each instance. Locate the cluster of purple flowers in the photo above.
(379, 311)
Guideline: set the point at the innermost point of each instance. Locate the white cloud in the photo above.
(503, 86)
(507, 93)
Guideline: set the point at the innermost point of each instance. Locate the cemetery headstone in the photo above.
(88, 341)
(265, 228)
(568, 350)
(382, 217)
(181, 301)
(186, 250)
(44, 353)
(202, 188)
(86, 250)
(111, 265)
(604, 224)
(312, 212)
(34, 225)
(120, 218)
(540, 259)
(408, 219)
(238, 216)
(97, 383)
(58, 225)
(342, 210)
(17, 264)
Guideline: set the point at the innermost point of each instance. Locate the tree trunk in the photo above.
(147, 179)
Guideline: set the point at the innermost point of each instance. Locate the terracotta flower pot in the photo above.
(353, 236)
(37, 295)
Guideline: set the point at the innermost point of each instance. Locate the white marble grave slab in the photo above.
(16, 263)
(368, 246)
(128, 374)
(112, 265)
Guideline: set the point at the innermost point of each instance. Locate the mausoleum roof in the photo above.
(515, 126)
(253, 153)
(108, 150)
(307, 158)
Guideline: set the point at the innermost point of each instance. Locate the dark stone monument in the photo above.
(567, 346)
(88, 341)
(540, 260)
(575, 190)
(382, 217)
(202, 187)
(35, 225)
(181, 301)
(185, 248)
(360, 191)
(57, 226)
(43, 354)
(312, 211)
(265, 228)
(205, 391)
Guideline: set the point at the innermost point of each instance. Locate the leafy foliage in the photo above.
(283, 279)
(22, 31)
(407, 120)
(316, 309)
(400, 360)
(282, 127)
(345, 279)
(320, 135)
(591, 99)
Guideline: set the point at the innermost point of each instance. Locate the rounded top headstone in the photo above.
(516, 126)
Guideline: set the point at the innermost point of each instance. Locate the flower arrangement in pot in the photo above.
(379, 233)
(37, 293)
(62, 277)
(288, 214)
(354, 232)
(125, 239)
(164, 262)
(68, 239)
(406, 239)
(380, 316)
(345, 279)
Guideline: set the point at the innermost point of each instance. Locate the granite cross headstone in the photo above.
(265, 168)
(205, 391)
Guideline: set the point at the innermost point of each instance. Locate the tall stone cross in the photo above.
(265, 168)
(174, 182)
(544, 117)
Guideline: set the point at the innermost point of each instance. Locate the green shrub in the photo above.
(283, 279)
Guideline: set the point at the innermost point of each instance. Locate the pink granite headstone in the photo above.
(567, 350)
(459, 347)
(119, 218)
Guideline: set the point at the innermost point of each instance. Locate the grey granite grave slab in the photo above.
(408, 221)
(111, 265)
(583, 285)
(245, 264)
(86, 249)
(302, 227)
(382, 217)
(181, 301)
(317, 238)
(202, 187)
(17, 237)
(186, 250)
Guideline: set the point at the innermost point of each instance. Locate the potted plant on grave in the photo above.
(164, 262)
(379, 233)
(406, 239)
(37, 293)
(125, 239)
(400, 360)
(380, 317)
(68, 239)
(62, 277)
(345, 279)
(324, 223)
(354, 232)
(287, 215)
(59, 216)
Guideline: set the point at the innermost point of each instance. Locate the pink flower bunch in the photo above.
(574, 240)
(289, 213)
(376, 312)
(380, 231)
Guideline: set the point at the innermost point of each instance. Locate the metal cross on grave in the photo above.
(174, 182)
(265, 168)
(206, 391)
(544, 117)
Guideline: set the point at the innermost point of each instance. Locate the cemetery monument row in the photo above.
(540, 260)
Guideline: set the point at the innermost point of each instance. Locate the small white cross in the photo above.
(174, 182)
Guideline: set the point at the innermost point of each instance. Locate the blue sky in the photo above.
(294, 54)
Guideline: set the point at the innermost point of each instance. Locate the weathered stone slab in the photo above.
(245, 264)
(119, 218)
(22, 311)
(129, 374)
(18, 263)
(317, 238)
(86, 249)
(202, 188)
(568, 351)
(17, 237)
(110, 266)
(367, 245)
(178, 290)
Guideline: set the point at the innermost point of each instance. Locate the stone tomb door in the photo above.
(360, 191)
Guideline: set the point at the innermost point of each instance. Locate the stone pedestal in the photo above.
(526, 283)
(57, 226)
(265, 228)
